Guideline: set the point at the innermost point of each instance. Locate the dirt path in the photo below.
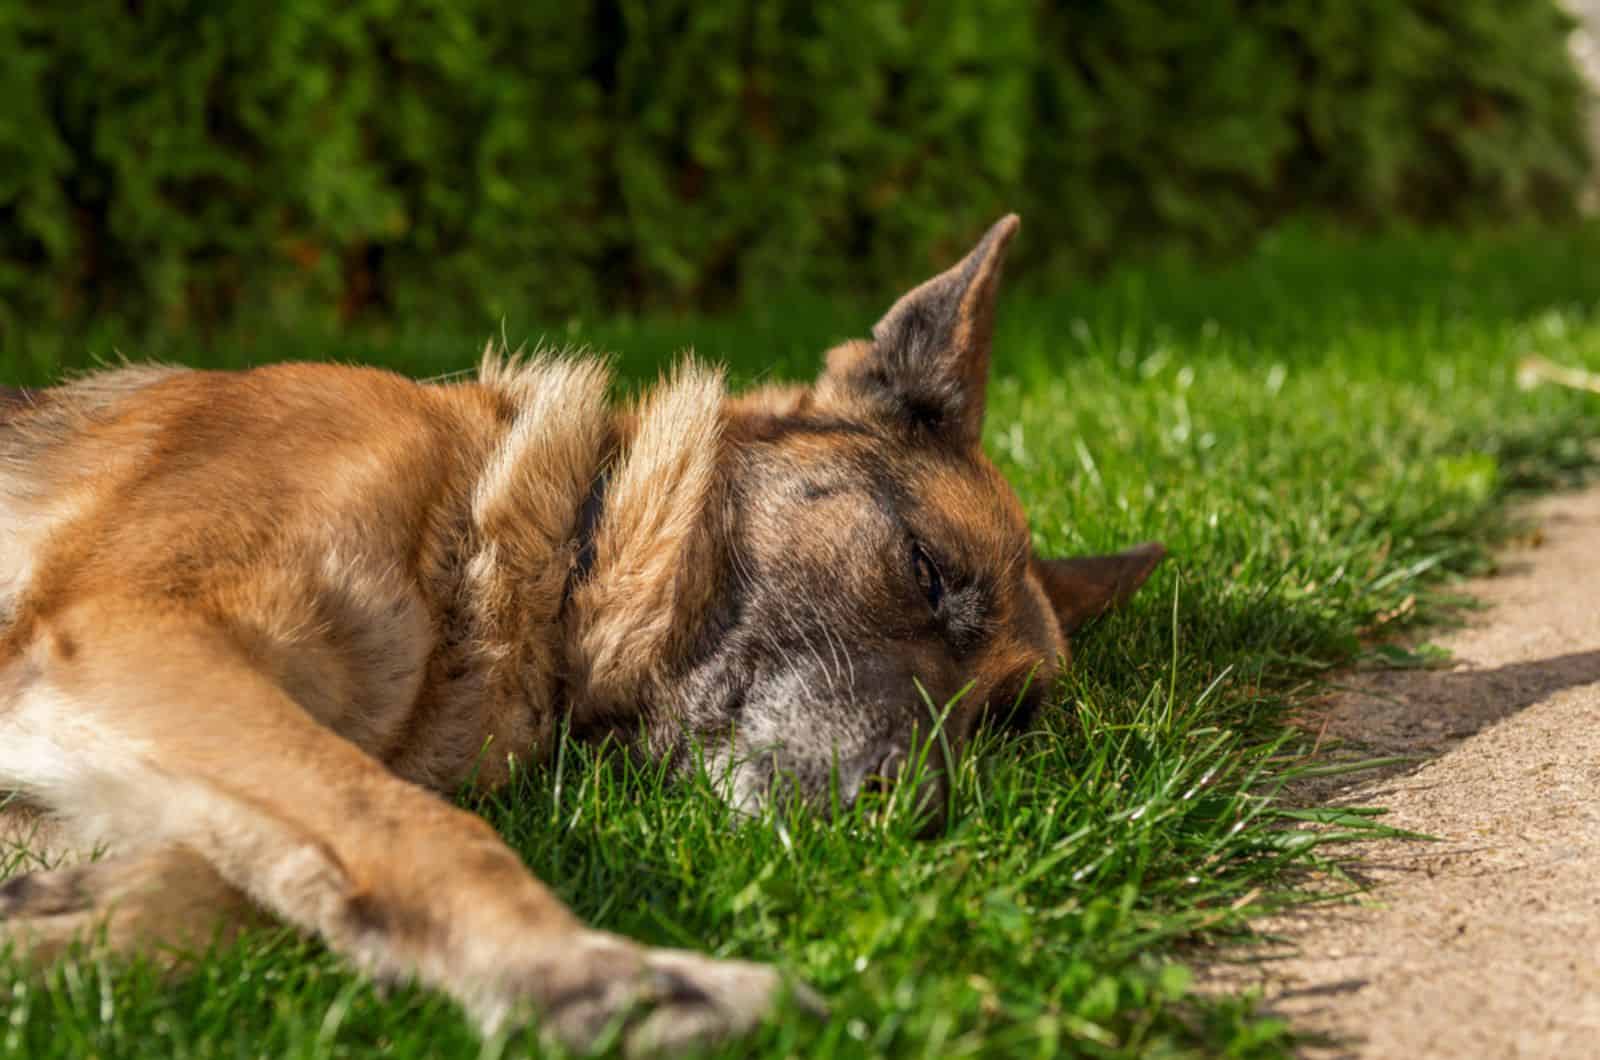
(1486, 943)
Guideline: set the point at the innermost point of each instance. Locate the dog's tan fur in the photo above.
(387, 567)
(253, 622)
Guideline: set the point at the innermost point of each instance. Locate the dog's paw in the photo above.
(42, 914)
(704, 1000)
(605, 989)
(166, 902)
(44, 893)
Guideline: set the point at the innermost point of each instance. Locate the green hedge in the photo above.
(178, 162)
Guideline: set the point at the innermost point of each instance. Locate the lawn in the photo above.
(1323, 435)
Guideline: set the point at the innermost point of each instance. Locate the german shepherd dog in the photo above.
(253, 624)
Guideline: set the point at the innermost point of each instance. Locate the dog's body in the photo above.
(251, 623)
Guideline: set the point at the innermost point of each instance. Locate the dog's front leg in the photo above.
(162, 732)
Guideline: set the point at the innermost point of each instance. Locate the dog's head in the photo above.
(879, 577)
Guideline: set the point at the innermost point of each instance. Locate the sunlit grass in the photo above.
(1321, 435)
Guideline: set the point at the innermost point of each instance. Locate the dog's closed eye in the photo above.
(927, 574)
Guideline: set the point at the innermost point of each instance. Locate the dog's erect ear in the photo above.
(928, 361)
(1084, 587)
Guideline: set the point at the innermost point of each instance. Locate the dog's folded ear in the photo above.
(928, 361)
(1084, 587)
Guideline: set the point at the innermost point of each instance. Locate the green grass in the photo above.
(1322, 435)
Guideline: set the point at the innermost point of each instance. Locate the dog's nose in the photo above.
(886, 775)
(882, 776)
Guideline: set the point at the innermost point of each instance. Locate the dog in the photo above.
(253, 624)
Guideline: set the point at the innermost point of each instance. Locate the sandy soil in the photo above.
(1485, 943)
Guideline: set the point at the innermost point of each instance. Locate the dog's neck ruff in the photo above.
(636, 601)
(589, 531)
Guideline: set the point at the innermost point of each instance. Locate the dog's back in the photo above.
(297, 505)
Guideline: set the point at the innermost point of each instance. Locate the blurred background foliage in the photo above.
(183, 164)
